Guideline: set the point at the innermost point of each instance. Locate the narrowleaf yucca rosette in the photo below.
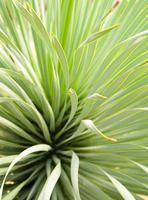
(73, 100)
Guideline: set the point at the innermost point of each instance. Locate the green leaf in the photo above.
(62, 58)
(35, 186)
(34, 20)
(11, 195)
(97, 96)
(7, 159)
(97, 35)
(144, 109)
(32, 111)
(91, 126)
(50, 183)
(17, 130)
(74, 175)
(5, 39)
(74, 103)
(30, 150)
(144, 168)
(121, 188)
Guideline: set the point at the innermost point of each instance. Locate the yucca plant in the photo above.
(73, 100)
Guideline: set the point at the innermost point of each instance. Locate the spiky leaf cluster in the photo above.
(73, 100)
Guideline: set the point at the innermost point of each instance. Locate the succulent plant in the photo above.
(73, 100)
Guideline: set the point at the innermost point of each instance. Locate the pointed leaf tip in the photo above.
(90, 125)
(97, 35)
